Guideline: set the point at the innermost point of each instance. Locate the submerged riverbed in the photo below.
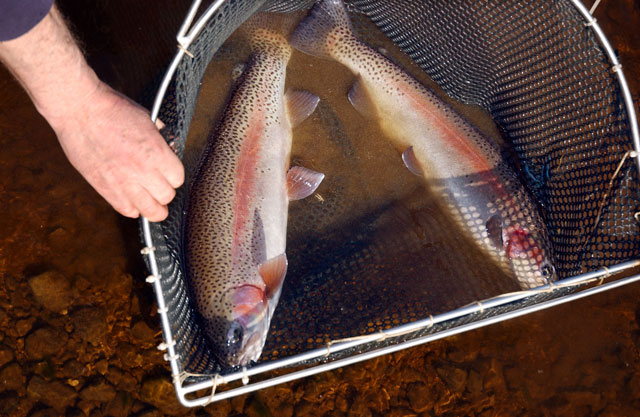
(78, 329)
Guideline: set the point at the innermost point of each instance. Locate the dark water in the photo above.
(78, 329)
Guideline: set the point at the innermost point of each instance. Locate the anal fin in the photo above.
(360, 99)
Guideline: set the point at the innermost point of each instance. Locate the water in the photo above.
(573, 360)
(372, 248)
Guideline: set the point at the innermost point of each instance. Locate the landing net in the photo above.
(550, 80)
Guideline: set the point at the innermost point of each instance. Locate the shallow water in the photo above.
(372, 248)
(95, 353)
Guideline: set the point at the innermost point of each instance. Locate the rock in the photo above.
(616, 410)
(474, 383)
(277, 399)
(47, 412)
(120, 284)
(303, 408)
(99, 391)
(129, 355)
(419, 396)
(6, 356)
(74, 369)
(52, 290)
(143, 334)
(45, 341)
(60, 239)
(494, 377)
(11, 378)
(121, 379)
(454, 378)
(120, 405)
(586, 399)
(90, 324)
(401, 412)
(24, 326)
(256, 408)
(159, 392)
(54, 394)
(101, 366)
(45, 370)
(220, 408)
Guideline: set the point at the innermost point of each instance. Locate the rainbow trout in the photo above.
(236, 218)
(462, 165)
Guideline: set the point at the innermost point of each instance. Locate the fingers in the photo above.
(148, 206)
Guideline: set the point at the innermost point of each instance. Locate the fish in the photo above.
(236, 211)
(460, 164)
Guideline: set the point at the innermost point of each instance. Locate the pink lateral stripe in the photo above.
(246, 177)
(475, 158)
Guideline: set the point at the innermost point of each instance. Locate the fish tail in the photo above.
(323, 30)
(269, 32)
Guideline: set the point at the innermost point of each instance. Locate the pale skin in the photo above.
(108, 138)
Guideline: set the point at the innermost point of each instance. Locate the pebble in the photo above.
(99, 391)
(74, 369)
(159, 392)
(220, 408)
(121, 379)
(52, 290)
(120, 405)
(419, 396)
(24, 326)
(6, 356)
(60, 239)
(453, 377)
(11, 378)
(45, 341)
(143, 334)
(90, 324)
(54, 394)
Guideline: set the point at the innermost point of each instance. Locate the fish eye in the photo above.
(547, 270)
(235, 334)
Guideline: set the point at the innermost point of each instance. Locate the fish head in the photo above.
(240, 334)
(238, 338)
(530, 256)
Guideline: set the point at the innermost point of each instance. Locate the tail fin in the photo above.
(323, 30)
(269, 31)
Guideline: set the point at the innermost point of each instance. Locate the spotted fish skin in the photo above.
(236, 216)
(462, 165)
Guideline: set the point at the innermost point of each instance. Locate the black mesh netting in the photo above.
(540, 72)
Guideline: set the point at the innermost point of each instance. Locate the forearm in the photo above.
(50, 66)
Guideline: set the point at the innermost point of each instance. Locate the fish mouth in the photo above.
(252, 349)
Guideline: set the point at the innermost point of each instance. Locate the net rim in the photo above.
(187, 34)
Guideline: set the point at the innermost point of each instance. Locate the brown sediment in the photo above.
(576, 359)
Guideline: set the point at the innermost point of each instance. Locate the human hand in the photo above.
(112, 142)
(108, 138)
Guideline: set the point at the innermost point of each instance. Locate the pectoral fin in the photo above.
(411, 162)
(273, 272)
(300, 104)
(302, 182)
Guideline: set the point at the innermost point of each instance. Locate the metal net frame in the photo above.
(549, 78)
